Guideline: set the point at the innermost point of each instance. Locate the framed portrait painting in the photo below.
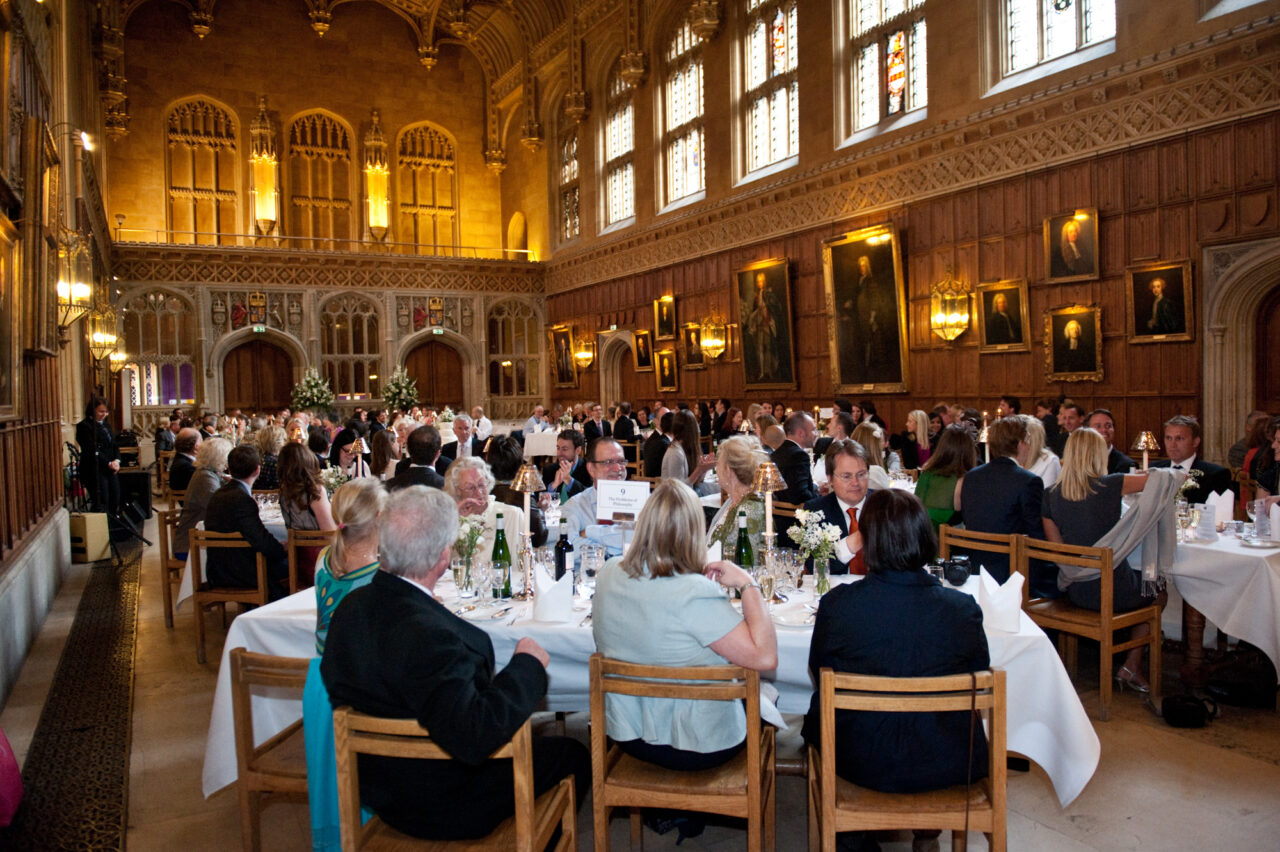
(1073, 344)
(867, 309)
(1003, 325)
(1071, 246)
(564, 370)
(664, 371)
(642, 350)
(691, 338)
(762, 306)
(664, 318)
(1159, 300)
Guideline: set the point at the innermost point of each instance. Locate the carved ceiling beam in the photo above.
(704, 18)
(424, 29)
(495, 156)
(200, 14)
(633, 59)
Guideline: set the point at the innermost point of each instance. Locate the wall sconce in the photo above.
(715, 337)
(264, 163)
(117, 360)
(949, 307)
(586, 352)
(377, 179)
(102, 333)
(75, 294)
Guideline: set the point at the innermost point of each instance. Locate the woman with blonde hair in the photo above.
(660, 604)
(736, 465)
(210, 473)
(296, 430)
(754, 410)
(351, 561)
(915, 440)
(269, 440)
(1035, 456)
(868, 435)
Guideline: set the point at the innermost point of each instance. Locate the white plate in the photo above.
(1260, 543)
(800, 619)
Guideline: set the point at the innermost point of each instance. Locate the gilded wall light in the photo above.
(265, 166)
(102, 332)
(377, 180)
(585, 353)
(75, 293)
(715, 336)
(949, 307)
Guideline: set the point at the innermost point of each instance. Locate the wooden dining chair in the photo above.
(950, 537)
(276, 769)
(164, 458)
(1072, 621)
(837, 805)
(170, 567)
(175, 497)
(207, 596)
(744, 787)
(299, 539)
(529, 830)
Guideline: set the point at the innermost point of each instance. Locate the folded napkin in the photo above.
(1001, 605)
(1223, 506)
(769, 706)
(1207, 528)
(552, 599)
(1275, 520)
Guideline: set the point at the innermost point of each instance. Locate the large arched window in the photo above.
(682, 139)
(1037, 31)
(771, 92)
(350, 346)
(567, 178)
(203, 173)
(514, 350)
(619, 150)
(159, 329)
(886, 60)
(427, 178)
(320, 208)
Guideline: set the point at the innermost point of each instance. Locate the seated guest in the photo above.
(875, 628)
(604, 462)
(394, 651)
(296, 430)
(536, 422)
(567, 475)
(484, 426)
(793, 462)
(1002, 497)
(318, 444)
(624, 428)
(1035, 456)
(684, 459)
(736, 469)
(1008, 406)
(386, 454)
(849, 473)
(505, 457)
(718, 414)
(208, 427)
(1070, 418)
(1236, 454)
(419, 467)
(1181, 444)
(704, 417)
(304, 502)
(733, 420)
(1101, 421)
(183, 465)
(351, 561)
(347, 454)
(470, 483)
(772, 438)
(269, 440)
(466, 444)
(166, 434)
(661, 605)
(1258, 446)
(913, 443)
(754, 410)
(840, 426)
(211, 465)
(655, 446)
(1268, 467)
(233, 509)
(643, 418)
(1080, 509)
(596, 426)
(935, 429)
(870, 436)
(940, 479)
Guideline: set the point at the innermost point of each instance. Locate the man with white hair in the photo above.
(537, 422)
(395, 651)
(466, 446)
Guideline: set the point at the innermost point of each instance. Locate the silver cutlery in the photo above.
(500, 613)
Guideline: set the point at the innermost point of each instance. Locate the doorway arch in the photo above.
(437, 368)
(257, 375)
(613, 348)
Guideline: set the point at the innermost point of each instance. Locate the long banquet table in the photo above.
(1046, 721)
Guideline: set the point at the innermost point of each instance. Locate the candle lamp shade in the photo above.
(361, 447)
(768, 479)
(1146, 441)
(527, 480)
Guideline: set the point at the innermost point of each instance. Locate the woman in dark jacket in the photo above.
(99, 457)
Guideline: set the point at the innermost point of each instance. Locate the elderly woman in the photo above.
(351, 561)
(1081, 508)
(873, 628)
(269, 440)
(347, 454)
(736, 469)
(939, 484)
(684, 459)
(1035, 456)
(660, 604)
(386, 454)
(210, 473)
(470, 483)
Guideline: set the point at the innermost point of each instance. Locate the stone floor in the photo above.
(1155, 788)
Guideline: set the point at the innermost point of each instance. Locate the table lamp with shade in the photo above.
(767, 480)
(527, 481)
(1146, 441)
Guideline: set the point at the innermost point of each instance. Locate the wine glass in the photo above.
(464, 580)
(482, 579)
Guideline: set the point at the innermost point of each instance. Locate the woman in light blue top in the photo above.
(352, 559)
(661, 605)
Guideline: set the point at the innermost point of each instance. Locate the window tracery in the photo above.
(320, 174)
(683, 139)
(202, 173)
(350, 349)
(619, 150)
(515, 335)
(1037, 31)
(771, 88)
(160, 328)
(887, 60)
(427, 176)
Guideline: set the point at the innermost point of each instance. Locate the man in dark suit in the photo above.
(424, 448)
(166, 434)
(840, 426)
(596, 426)
(1003, 497)
(717, 418)
(99, 457)
(656, 445)
(467, 444)
(394, 651)
(184, 460)
(567, 475)
(233, 509)
(624, 428)
(209, 426)
(850, 473)
(1101, 421)
(1182, 442)
(793, 462)
(1070, 418)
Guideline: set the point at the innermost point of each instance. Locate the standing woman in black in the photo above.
(99, 457)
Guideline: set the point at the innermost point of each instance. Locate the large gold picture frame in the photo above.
(1003, 317)
(866, 304)
(564, 370)
(1164, 316)
(665, 370)
(1071, 246)
(762, 305)
(1073, 343)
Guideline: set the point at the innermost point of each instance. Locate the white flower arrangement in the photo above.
(400, 391)
(333, 479)
(817, 540)
(445, 417)
(312, 392)
(470, 531)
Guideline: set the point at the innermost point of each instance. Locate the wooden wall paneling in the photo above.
(1143, 234)
(1112, 250)
(991, 212)
(920, 223)
(1174, 180)
(1212, 162)
(1215, 219)
(1175, 231)
(942, 219)
(966, 213)
(991, 260)
(965, 266)
(1256, 212)
(1014, 210)
(1076, 182)
(1255, 150)
(1110, 189)
(1142, 177)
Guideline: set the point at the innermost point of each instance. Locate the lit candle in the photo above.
(526, 513)
(1144, 459)
(768, 513)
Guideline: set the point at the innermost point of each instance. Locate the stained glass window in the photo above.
(887, 60)
(683, 138)
(772, 91)
(160, 327)
(619, 151)
(569, 224)
(1037, 30)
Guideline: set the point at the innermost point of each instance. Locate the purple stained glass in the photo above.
(187, 382)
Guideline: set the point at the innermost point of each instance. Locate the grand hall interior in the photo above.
(577, 271)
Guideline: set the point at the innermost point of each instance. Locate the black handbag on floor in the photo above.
(1187, 711)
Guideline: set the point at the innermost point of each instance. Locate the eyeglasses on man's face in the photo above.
(619, 462)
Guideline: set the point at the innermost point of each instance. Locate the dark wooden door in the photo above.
(438, 369)
(1267, 366)
(257, 376)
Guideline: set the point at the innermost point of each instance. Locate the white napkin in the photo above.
(715, 552)
(769, 707)
(1224, 506)
(1275, 520)
(1001, 605)
(1207, 529)
(552, 599)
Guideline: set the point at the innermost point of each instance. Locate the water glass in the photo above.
(481, 578)
(592, 562)
(462, 578)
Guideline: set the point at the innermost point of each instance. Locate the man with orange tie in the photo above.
(849, 471)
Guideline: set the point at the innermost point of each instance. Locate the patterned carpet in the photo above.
(76, 774)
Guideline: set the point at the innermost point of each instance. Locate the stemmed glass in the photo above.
(482, 578)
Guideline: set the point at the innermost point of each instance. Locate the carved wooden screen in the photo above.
(320, 175)
(203, 173)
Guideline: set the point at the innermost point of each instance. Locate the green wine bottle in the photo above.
(743, 553)
(501, 562)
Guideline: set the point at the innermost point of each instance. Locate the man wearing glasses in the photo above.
(604, 461)
(849, 472)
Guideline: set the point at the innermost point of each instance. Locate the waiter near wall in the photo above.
(99, 458)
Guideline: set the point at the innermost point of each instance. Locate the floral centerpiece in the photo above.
(566, 420)
(817, 541)
(445, 418)
(400, 391)
(311, 392)
(333, 478)
(470, 531)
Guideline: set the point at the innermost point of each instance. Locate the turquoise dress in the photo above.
(331, 590)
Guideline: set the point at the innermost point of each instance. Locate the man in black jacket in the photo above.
(467, 444)
(184, 459)
(567, 475)
(596, 426)
(655, 447)
(394, 651)
(423, 450)
(1182, 443)
(792, 460)
(233, 509)
(99, 457)
(1003, 497)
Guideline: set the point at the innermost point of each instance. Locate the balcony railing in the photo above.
(327, 244)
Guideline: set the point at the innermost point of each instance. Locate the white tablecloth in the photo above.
(540, 443)
(1046, 721)
(271, 519)
(1236, 587)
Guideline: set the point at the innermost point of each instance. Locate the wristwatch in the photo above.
(746, 586)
